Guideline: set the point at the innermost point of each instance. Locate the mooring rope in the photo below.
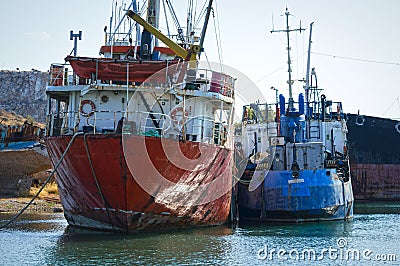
(45, 183)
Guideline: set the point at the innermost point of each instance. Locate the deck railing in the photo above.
(198, 128)
(204, 80)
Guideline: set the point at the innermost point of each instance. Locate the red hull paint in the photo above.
(376, 181)
(118, 201)
(112, 69)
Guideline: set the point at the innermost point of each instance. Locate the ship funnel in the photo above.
(282, 104)
(301, 104)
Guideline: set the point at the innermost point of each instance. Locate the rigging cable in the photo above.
(166, 19)
(176, 22)
(194, 15)
(201, 14)
(217, 39)
(398, 100)
(208, 62)
(304, 73)
(115, 13)
(132, 23)
(189, 20)
(297, 61)
(358, 59)
(278, 69)
(121, 20)
(219, 32)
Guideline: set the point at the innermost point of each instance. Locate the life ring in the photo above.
(181, 113)
(360, 120)
(85, 104)
(397, 127)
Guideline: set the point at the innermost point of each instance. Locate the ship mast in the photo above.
(153, 15)
(307, 86)
(203, 32)
(189, 23)
(288, 30)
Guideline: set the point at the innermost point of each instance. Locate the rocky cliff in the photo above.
(23, 92)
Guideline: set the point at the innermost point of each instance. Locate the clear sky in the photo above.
(36, 33)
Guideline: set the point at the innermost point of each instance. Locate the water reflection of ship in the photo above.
(172, 247)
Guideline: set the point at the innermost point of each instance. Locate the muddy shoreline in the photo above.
(46, 205)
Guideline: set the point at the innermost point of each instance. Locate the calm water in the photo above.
(46, 240)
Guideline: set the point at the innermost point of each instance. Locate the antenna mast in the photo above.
(288, 30)
(203, 32)
(189, 22)
(307, 86)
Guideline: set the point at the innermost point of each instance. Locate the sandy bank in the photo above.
(14, 205)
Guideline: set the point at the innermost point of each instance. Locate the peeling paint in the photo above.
(128, 207)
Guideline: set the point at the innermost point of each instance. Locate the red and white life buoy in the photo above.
(87, 108)
(178, 115)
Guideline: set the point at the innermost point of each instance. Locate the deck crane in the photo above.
(189, 55)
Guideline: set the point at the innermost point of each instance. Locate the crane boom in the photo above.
(192, 53)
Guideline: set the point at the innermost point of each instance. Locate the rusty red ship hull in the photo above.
(374, 155)
(98, 189)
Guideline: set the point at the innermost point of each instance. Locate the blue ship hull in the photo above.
(316, 195)
(18, 145)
